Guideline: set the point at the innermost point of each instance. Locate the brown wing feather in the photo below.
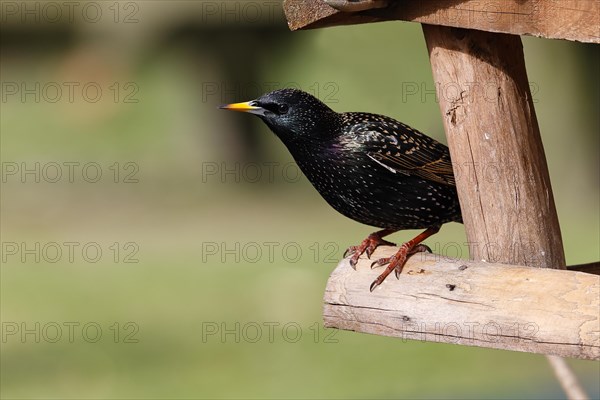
(439, 170)
(400, 148)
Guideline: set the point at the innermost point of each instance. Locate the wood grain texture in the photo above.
(577, 20)
(497, 154)
(470, 303)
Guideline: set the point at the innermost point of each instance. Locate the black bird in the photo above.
(369, 167)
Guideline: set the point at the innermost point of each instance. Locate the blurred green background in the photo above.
(210, 279)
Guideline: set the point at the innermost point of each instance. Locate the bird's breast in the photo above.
(361, 189)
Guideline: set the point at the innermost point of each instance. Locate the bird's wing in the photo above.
(439, 170)
(401, 149)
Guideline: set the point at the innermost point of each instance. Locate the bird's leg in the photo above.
(397, 261)
(369, 245)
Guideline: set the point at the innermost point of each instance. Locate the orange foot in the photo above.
(397, 261)
(368, 245)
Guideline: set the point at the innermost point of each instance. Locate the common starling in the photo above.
(369, 167)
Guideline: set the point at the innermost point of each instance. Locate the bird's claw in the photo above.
(373, 285)
(397, 271)
(349, 250)
(420, 248)
(353, 263)
(395, 263)
(380, 262)
(367, 246)
(354, 250)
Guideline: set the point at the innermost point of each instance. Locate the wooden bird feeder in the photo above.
(475, 46)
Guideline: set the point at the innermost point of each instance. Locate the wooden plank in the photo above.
(577, 20)
(470, 303)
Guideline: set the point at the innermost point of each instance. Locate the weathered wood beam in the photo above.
(497, 153)
(577, 20)
(471, 303)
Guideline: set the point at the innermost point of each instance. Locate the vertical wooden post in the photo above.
(494, 139)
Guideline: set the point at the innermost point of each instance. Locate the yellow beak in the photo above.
(243, 107)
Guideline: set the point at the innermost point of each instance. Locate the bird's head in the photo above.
(292, 114)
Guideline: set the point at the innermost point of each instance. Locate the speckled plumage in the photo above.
(369, 167)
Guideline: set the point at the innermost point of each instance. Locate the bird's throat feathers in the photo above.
(312, 129)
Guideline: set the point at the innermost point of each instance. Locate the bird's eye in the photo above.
(283, 108)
